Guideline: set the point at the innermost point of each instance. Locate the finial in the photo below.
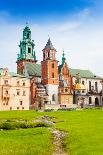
(26, 24)
(63, 53)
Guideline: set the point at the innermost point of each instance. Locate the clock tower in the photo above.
(26, 53)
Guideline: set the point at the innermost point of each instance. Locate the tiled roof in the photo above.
(49, 45)
(33, 69)
(84, 73)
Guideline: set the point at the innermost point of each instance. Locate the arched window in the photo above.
(53, 97)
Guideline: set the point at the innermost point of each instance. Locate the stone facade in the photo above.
(14, 91)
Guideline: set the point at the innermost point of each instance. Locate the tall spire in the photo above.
(63, 58)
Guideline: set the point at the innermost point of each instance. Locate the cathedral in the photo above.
(54, 86)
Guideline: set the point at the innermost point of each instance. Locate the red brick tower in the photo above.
(50, 72)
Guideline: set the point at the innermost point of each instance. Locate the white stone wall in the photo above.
(12, 100)
(52, 89)
(86, 83)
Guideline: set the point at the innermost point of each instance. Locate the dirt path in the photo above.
(58, 135)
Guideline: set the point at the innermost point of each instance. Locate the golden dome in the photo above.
(79, 86)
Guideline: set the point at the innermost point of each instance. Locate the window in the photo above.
(22, 108)
(43, 55)
(90, 100)
(82, 82)
(5, 82)
(18, 83)
(48, 54)
(10, 108)
(23, 83)
(89, 85)
(96, 86)
(28, 35)
(52, 75)
(7, 103)
(6, 92)
(17, 107)
(29, 50)
(21, 50)
(53, 97)
(66, 90)
(21, 102)
(24, 93)
(83, 91)
(18, 92)
(53, 65)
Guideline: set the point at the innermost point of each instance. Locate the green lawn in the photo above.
(85, 133)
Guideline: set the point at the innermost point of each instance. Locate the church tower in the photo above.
(50, 72)
(27, 53)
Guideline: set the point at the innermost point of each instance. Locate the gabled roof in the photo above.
(49, 45)
(33, 69)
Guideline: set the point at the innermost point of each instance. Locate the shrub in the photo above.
(22, 125)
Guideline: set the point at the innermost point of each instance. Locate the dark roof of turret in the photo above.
(49, 45)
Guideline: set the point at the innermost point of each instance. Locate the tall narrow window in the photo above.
(44, 56)
(89, 85)
(90, 100)
(21, 102)
(29, 50)
(83, 82)
(53, 97)
(53, 65)
(52, 75)
(96, 86)
(21, 50)
(48, 54)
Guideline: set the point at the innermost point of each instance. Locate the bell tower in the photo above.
(50, 72)
(26, 53)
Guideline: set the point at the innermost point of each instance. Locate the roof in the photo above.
(84, 73)
(33, 69)
(49, 45)
(10, 73)
(16, 75)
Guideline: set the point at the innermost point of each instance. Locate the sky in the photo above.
(75, 26)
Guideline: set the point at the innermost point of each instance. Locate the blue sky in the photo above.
(41, 10)
(73, 25)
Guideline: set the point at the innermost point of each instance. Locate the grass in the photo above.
(25, 142)
(85, 133)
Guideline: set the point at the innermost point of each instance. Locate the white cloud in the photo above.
(81, 38)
